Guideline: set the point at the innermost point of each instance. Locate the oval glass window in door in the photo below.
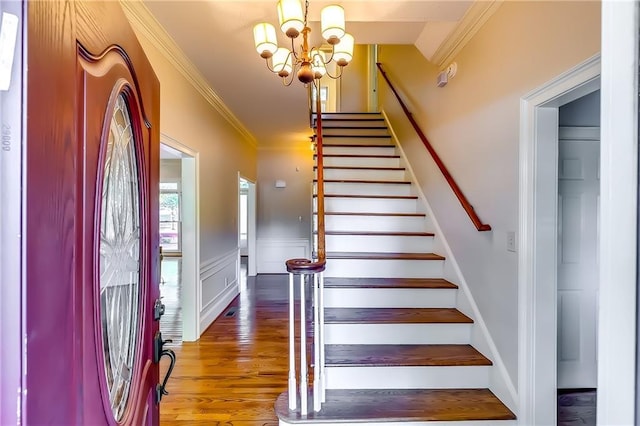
(120, 257)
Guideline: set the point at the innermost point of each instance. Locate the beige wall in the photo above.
(279, 209)
(187, 117)
(353, 84)
(473, 124)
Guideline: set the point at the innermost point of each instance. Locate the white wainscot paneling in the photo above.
(273, 253)
(218, 286)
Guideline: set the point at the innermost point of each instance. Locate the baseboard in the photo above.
(218, 286)
(501, 384)
(273, 253)
(217, 306)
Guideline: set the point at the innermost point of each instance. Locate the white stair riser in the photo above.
(344, 188)
(396, 268)
(378, 243)
(353, 122)
(343, 131)
(359, 150)
(364, 174)
(390, 298)
(397, 334)
(379, 223)
(410, 423)
(349, 115)
(328, 140)
(362, 161)
(448, 377)
(370, 205)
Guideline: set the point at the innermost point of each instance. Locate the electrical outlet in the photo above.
(511, 241)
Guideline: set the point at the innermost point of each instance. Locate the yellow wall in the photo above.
(187, 117)
(473, 124)
(353, 84)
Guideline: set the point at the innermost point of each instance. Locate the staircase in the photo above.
(397, 349)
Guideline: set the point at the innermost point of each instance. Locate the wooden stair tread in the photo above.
(383, 182)
(356, 136)
(355, 118)
(399, 169)
(381, 234)
(355, 127)
(435, 283)
(396, 197)
(401, 405)
(403, 355)
(395, 316)
(357, 156)
(372, 214)
(383, 256)
(351, 145)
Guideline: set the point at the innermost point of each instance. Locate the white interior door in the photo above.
(578, 234)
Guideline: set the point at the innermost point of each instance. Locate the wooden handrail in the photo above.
(305, 266)
(443, 169)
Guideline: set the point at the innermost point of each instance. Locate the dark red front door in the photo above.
(91, 238)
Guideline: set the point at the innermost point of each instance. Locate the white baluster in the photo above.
(303, 351)
(317, 331)
(292, 347)
(320, 331)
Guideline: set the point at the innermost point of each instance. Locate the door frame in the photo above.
(12, 162)
(537, 260)
(190, 295)
(251, 225)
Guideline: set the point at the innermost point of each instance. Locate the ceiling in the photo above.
(217, 37)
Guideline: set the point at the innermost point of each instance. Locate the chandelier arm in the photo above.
(333, 51)
(337, 76)
(288, 83)
(269, 67)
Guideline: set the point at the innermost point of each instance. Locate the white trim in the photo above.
(501, 383)
(165, 139)
(579, 133)
(479, 13)
(143, 20)
(217, 306)
(538, 164)
(274, 252)
(619, 212)
(190, 297)
(213, 269)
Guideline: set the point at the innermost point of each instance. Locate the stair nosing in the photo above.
(399, 359)
(394, 197)
(377, 316)
(329, 213)
(380, 234)
(373, 182)
(384, 256)
(389, 283)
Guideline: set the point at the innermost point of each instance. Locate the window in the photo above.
(170, 216)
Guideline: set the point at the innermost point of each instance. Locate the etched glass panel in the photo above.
(120, 257)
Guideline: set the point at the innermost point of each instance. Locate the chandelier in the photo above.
(308, 64)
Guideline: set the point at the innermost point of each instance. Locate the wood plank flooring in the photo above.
(234, 373)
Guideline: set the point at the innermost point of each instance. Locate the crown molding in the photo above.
(479, 12)
(144, 21)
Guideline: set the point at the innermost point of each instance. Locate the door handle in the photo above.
(158, 353)
(158, 310)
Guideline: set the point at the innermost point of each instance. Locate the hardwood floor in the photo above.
(234, 374)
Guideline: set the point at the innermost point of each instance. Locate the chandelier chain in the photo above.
(306, 11)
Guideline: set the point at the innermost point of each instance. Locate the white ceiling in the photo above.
(216, 35)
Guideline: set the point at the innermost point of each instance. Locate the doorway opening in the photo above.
(246, 226)
(577, 271)
(538, 243)
(178, 241)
